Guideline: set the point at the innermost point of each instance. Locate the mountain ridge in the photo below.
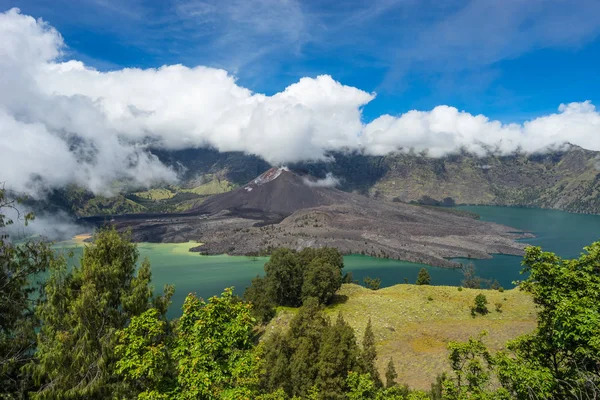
(566, 180)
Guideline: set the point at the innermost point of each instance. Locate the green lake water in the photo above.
(556, 231)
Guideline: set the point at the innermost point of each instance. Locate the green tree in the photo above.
(305, 334)
(480, 305)
(144, 356)
(276, 367)
(313, 358)
(372, 283)
(21, 266)
(360, 386)
(561, 358)
(292, 277)
(284, 276)
(338, 354)
(263, 305)
(81, 314)
(213, 350)
(321, 280)
(369, 354)
(327, 254)
(470, 363)
(423, 278)
(390, 374)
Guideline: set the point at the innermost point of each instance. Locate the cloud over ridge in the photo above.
(64, 122)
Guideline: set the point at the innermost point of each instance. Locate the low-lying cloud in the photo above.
(328, 181)
(64, 122)
(56, 226)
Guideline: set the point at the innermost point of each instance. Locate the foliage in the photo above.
(437, 387)
(480, 305)
(423, 278)
(470, 362)
(372, 283)
(321, 280)
(390, 374)
(561, 359)
(314, 356)
(81, 314)
(369, 354)
(213, 348)
(293, 277)
(21, 266)
(283, 273)
(144, 355)
(263, 305)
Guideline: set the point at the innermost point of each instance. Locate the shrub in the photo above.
(372, 283)
(499, 307)
(424, 278)
(460, 289)
(501, 289)
(480, 306)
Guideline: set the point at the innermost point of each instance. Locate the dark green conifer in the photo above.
(338, 355)
(390, 374)
(369, 354)
(424, 278)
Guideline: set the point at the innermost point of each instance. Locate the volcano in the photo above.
(277, 192)
(280, 208)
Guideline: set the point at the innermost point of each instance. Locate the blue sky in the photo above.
(511, 60)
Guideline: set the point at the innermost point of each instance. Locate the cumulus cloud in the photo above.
(65, 122)
(446, 129)
(329, 181)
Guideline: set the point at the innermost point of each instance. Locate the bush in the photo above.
(460, 289)
(372, 283)
(480, 306)
(501, 289)
(424, 278)
(498, 307)
(429, 298)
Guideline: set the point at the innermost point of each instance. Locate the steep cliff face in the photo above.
(568, 181)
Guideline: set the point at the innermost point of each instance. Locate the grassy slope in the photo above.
(214, 186)
(414, 331)
(168, 199)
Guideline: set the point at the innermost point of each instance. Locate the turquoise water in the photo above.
(560, 232)
(563, 233)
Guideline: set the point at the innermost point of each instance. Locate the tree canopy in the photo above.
(292, 277)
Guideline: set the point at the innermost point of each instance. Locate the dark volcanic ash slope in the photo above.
(279, 208)
(277, 192)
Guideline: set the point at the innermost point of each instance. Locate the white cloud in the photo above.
(329, 181)
(64, 122)
(445, 129)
